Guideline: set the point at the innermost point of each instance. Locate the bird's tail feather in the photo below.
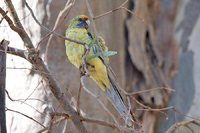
(117, 101)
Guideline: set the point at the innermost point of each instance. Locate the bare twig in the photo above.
(31, 69)
(99, 122)
(45, 28)
(33, 91)
(37, 63)
(54, 123)
(21, 31)
(119, 8)
(65, 128)
(92, 16)
(60, 19)
(111, 11)
(3, 17)
(96, 97)
(189, 128)
(95, 121)
(182, 123)
(160, 109)
(10, 22)
(7, 109)
(20, 100)
(121, 128)
(78, 99)
(180, 113)
(147, 108)
(154, 89)
(84, 119)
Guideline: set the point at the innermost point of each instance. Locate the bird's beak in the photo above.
(88, 22)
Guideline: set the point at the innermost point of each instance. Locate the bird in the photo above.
(78, 30)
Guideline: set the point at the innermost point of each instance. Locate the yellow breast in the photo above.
(75, 51)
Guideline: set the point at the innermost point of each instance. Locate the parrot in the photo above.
(78, 31)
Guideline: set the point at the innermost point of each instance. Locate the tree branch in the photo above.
(60, 19)
(38, 64)
(22, 33)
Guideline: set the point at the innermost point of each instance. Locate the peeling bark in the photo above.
(152, 53)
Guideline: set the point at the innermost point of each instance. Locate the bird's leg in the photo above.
(82, 71)
(85, 67)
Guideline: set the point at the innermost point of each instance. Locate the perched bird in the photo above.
(78, 30)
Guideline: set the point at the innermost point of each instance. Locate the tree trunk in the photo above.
(4, 45)
(151, 54)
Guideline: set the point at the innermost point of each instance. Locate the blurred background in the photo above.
(157, 43)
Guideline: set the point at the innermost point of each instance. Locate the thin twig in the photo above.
(31, 69)
(182, 123)
(45, 28)
(3, 17)
(54, 123)
(160, 109)
(153, 89)
(78, 99)
(96, 97)
(147, 108)
(21, 31)
(65, 127)
(92, 16)
(7, 109)
(95, 121)
(20, 100)
(33, 91)
(60, 19)
(10, 22)
(121, 128)
(189, 128)
(180, 113)
(119, 8)
(99, 122)
(111, 11)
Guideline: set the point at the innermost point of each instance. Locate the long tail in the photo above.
(117, 101)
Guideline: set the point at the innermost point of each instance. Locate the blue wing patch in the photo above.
(90, 36)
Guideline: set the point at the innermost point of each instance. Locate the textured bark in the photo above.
(3, 44)
(151, 53)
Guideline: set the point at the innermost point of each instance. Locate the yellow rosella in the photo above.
(78, 30)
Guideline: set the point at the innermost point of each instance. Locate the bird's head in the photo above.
(81, 21)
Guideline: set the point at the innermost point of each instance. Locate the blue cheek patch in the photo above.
(82, 25)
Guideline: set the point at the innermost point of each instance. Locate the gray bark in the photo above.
(3, 44)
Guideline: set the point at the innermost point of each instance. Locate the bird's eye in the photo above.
(80, 19)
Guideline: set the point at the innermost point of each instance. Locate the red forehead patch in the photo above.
(85, 17)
